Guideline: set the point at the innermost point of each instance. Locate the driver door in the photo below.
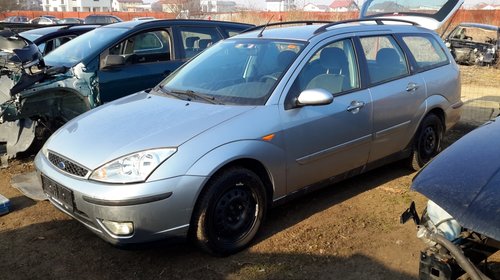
(141, 62)
(327, 140)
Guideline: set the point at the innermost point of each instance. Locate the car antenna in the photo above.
(263, 28)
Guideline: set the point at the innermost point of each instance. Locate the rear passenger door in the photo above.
(397, 95)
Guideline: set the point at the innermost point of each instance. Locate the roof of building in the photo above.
(342, 4)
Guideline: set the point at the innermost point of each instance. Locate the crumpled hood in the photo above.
(134, 123)
(465, 180)
(24, 51)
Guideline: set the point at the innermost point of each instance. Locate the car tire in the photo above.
(427, 142)
(229, 212)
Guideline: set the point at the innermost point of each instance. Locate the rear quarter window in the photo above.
(426, 51)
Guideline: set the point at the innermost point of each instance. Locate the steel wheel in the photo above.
(427, 143)
(229, 212)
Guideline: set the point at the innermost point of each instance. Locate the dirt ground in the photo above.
(349, 230)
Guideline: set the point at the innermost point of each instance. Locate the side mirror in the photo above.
(314, 97)
(114, 60)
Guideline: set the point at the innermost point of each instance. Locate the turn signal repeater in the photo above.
(268, 137)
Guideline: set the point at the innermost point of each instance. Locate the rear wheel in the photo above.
(427, 143)
(229, 212)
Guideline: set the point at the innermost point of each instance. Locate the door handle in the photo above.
(355, 106)
(411, 87)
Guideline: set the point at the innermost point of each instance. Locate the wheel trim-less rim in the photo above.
(235, 213)
(429, 142)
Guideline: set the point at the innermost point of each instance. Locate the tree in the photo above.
(8, 5)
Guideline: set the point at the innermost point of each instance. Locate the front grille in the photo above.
(67, 165)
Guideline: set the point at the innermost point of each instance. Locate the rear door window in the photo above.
(386, 61)
(426, 50)
(197, 39)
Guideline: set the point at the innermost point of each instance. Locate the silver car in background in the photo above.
(251, 122)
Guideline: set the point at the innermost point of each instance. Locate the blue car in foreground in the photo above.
(461, 222)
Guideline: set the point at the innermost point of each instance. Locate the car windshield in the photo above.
(237, 71)
(82, 46)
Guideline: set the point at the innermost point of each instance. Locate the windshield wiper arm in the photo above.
(192, 94)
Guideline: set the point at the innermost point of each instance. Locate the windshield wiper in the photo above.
(191, 94)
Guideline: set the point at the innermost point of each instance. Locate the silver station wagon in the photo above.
(250, 122)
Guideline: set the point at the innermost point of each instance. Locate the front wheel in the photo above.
(229, 212)
(427, 143)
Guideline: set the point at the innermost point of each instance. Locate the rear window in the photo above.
(426, 51)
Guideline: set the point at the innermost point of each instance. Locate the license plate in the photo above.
(63, 196)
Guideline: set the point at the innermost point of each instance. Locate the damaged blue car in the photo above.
(461, 223)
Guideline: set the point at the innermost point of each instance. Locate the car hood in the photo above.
(427, 13)
(135, 123)
(465, 180)
(23, 50)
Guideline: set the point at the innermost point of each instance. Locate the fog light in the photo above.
(119, 228)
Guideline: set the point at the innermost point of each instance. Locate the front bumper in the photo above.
(157, 209)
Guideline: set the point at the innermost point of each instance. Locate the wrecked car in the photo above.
(474, 43)
(100, 66)
(49, 38)
(461, 223)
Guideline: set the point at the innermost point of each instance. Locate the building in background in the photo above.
(77, 5)
(280, 5)
(311, 7)
(129, 6)
(343, 6)
(214, 6)
(177, 6)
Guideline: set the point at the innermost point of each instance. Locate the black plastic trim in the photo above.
(128, 202)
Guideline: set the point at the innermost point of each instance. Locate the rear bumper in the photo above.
(453, 114)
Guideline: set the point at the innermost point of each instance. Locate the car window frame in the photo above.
(414, 64)
(180, 51)
(398, 43)
(101, 56)
(287, 89)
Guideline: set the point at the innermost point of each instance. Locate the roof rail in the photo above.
(306, 22)
(379, 21)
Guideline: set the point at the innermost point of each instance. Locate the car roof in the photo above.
(480, 25)
(56, 28)
(309, 31)
(46, 32)
(160, 22)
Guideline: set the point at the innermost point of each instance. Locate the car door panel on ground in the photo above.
(327, 140)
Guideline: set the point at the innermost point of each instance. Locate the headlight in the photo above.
(442, 221)
(132, 168)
